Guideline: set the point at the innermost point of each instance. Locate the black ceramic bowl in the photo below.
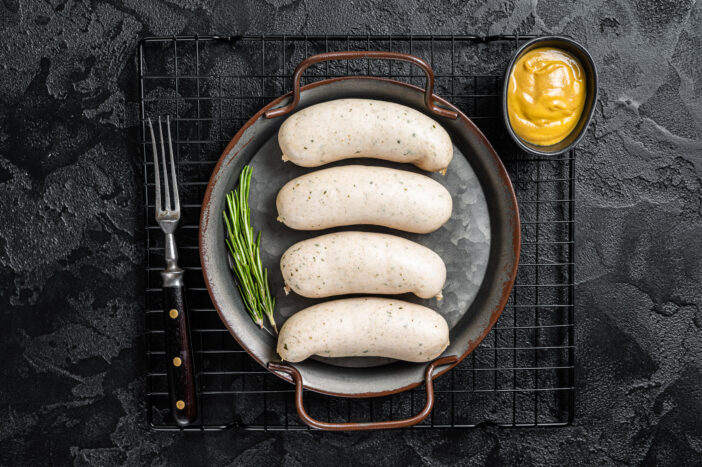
(588, 64)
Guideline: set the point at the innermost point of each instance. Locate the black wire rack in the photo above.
(522, 373)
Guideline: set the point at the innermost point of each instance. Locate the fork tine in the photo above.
(157, 201)
(165, 168)
(176, 201)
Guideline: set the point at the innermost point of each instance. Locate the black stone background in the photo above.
(72, 375)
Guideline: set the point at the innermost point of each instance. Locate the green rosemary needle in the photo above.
(252, 277)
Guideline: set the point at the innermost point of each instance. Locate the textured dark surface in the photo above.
(72, 379)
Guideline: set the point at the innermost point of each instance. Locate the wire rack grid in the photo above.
(522, 373)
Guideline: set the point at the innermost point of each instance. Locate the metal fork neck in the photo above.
(173, 275)
(171, 252)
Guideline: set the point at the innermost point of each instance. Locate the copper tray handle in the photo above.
(362, 54)
(329, 426)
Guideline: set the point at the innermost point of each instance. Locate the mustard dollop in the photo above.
(546, 95)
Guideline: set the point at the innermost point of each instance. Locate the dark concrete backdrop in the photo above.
(72, 373)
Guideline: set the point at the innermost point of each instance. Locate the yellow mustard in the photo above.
(546, 95)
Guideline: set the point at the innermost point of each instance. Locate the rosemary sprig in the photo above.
(252, 277)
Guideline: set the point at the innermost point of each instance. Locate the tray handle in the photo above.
(353, 426)
(362, 54)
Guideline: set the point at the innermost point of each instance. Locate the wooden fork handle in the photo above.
(179, 356)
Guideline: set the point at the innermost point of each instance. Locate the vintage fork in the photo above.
(179, 355)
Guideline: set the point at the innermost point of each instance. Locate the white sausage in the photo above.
(362, 262)
(356, 194)
(346, 128)
(370, 326)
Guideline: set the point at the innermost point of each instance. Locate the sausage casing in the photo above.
(362, 262)
(369, 326)
(347, 128)
(357, 194)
